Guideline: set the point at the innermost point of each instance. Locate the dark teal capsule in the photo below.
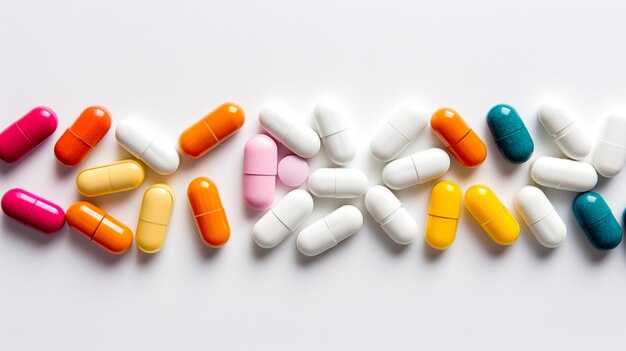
(597, 221)
(510, 133)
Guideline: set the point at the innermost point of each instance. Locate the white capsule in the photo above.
(398, 132)
(609, 157)
(327, 232)
(540, 216)
(296, 136)
(563, 174)
(565, 130)
(333, 127)
(387, 211)
(338, 183)
(282, 219)
(417, 168)
(143, 142)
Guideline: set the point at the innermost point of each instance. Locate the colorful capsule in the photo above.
(33, 211)
(208, 211)
(156, 209)
(260, 158)
(82, 136)
(25, 134)
(99, 227)
(444, 211)
(211, 130)
(510, 134)
(458, 137)
(491, 214)
(111, 178)
(597, 221)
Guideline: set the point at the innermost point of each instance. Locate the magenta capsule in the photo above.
(260, 158)
(25, 134)
(33, 210)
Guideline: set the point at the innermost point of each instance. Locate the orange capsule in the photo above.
(82, 136)
(208, 211)
(458, 137)
(211, 130)
(102, 229)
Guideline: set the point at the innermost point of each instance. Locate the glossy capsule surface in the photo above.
(491, 214)
(208, 212)
(597, 221)
(444, 211)
(99, 227)
(154, 217)
(82, 136)
(211, 130)
(33, 211)
(460, 140)
(25, 134)
(510, 134)
(112, 178)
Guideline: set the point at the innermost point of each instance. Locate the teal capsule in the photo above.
(597, 221)
(510, 134)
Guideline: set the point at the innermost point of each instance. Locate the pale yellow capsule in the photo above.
(154, 217)
(111, 178)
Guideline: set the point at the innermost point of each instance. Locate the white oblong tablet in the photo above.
(328, 231)
(282, 219)
(563, 174)
(338, 183)
(565, 130)
(144, 142)
(417, 168)
(333, 127)
(387, 210)
(296, 136)
(540, 216)
(398, 132)
(609, 156)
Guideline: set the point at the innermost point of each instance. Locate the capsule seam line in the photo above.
(202, 214)
(494, 217)
(399, 131)
(79, 138)
(415, 167)
(337, 132)
(109, 174)
(444, 217)
(146, 221)
(24, 134)
(280, 220)
(30, 211)
(147, 147)
(210, 130)
(460, 139)
(98, 226)
(329, 231)
(599, 220)
(511, 133)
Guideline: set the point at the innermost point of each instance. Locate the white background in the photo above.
(173, 62)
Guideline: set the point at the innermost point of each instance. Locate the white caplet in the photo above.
(282, 219)
(296, 136)
(563, 174)
(398, 132)
(326, 232)
(387, 210)
(565, 130)
(540, 216)
(143, 142)
(333, 127)
(609, 156)
(417, 168)
(338, 183)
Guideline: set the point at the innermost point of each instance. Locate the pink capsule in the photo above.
(25, 134)
(33, 210)
(260, 158)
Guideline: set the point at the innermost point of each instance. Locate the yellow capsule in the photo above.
(111, 178)
(444, 211)
(154, 217)
(491, 214)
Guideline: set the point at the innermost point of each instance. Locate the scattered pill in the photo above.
(491, 215)
(398, 132)
(597, 221)
(259, 171)
(208, 212)
(458, 137)
(540, 216)
(563, 174)
(33, 211)
(417, 168)
(510, 134)
(565, 130)
(25, 134)
(333, 127)
(143, 142)
(111, 178)
(82, 136)
(609, 156)
(387, 211)
(296, 136)
(99, 227)
(293, 171)
(444, 211)
(338, 183)
(328, 231)
(211, 130)
(283, 219)
(154, 217)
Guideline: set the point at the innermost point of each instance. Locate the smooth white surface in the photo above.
(177, 61)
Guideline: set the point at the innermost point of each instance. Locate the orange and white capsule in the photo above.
(208, 211)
